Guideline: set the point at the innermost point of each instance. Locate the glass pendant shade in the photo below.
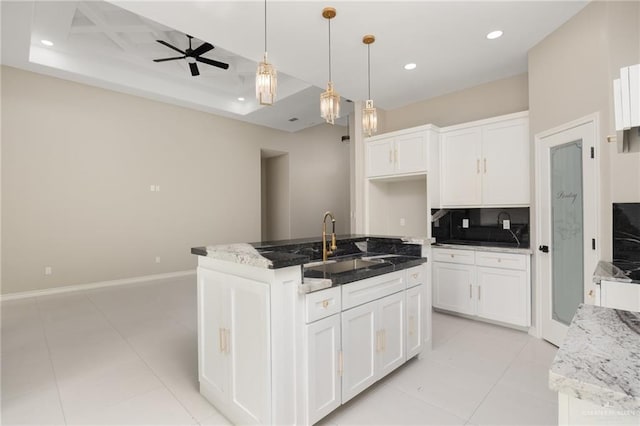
(266, 82)
(369, 118)
(330, 104)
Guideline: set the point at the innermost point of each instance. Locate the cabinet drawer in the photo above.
(466, 257)
(359, 292)
(502, 260)
(321, 304)
(415, 276)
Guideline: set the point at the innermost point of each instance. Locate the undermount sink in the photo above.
(336, 267)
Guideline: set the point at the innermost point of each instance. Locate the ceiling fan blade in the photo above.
(212, 62)
(204, 48)
(169, 59)
(194, 69)
(170, 46)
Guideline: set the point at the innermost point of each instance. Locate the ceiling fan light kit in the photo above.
(330, 99)
(369, 113)
(266, 74)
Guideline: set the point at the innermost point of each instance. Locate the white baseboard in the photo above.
(80, 287)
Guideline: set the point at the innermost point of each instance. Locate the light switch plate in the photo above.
(506, 224)
(465, 223)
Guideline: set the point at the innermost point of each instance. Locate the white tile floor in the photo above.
(127, 355)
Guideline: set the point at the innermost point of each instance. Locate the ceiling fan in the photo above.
(193, 55)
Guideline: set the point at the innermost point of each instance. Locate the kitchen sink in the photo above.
(336, 267)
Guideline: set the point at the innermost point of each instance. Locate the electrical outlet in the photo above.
(506, 224)
(465, 223)
(152, 188)
(402, 221)
(48, 270)
(157, 188)
(157, 259)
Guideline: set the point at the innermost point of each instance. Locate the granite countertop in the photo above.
(610, 272)
(497, 249)
(599, 360)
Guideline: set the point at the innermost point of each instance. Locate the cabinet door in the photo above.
(453, 287)
(213, 362)
(359, 328)
(414, 321)
(503, 295)
(505, 163)
(460, 152)
(249, 343)
(391, 333)
(411, 153)
(323, 367)
(380, 157)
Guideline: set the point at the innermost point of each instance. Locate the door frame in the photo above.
(594, 119)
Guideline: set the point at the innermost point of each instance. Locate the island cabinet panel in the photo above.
(359, 348)
(234, 344)
(324, 367)
(619, 295)
(414, 321)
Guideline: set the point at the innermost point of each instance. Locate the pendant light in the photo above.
(369, 114)
(330, 99)
(266, 75)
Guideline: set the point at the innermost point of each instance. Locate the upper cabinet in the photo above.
(486, 163)
(400, 153)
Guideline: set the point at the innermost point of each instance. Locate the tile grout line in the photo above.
(53, 368)
(142, 359)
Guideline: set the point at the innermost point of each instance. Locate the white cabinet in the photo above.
(402, 152)
(619, 295)
(501, 295)
(373, 342)
(323, 367)
(415, 303)
(233, 345)
(399, 154)
(486, 163)
(491, 285)
(453, 287)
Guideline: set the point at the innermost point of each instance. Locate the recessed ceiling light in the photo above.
(241, 99)
(494, 34)
(410, 66)
(46, 42)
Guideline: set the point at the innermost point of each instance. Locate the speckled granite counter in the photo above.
(496, 249)
(599, 360)
(610, 272)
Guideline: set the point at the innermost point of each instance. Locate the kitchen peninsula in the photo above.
(285, 337)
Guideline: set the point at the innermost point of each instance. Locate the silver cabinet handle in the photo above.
(470, 292)
(485, 165)
(478, 166)
(479, 292)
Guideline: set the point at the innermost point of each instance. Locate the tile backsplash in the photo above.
(482, 225)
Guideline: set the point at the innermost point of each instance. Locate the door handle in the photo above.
(544, 249)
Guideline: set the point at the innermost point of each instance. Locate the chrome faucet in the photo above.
(326, 251)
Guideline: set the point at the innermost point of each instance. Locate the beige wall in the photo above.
(570, 76)
(276, 198)
(487, 100)
(78, 161)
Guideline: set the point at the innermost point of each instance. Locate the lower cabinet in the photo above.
(490, 285)
(372, 342)
(415, 307)
(324, 367)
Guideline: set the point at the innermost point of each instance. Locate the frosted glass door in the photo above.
(567, 248)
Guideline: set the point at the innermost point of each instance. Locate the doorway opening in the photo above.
(275, 195)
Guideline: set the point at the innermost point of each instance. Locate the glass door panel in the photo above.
(567, 245)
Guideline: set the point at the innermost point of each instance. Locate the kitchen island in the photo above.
(285, 337)
(596, 371)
